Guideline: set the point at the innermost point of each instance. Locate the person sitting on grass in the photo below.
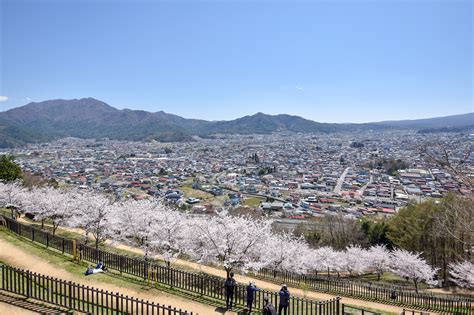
(101, 265)
(98, 269)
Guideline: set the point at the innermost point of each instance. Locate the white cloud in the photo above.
(299, 88)
(3, 98)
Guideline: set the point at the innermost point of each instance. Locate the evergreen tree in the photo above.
(9, 170)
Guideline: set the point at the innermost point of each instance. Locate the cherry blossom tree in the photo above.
(95, 215)
(56, 206)
(411, 266)
(354, 260)
(323, 259)
(36, 203)
(379, 259)
(231, 242)
(171, 234)
(462, 273)
(152, 226)
(132, 223)
(287, 254)
(11, 196)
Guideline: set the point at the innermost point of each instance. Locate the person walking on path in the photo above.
(393, 294)
(229, 285)
(251, 289)
(284, 300)
(268, 309)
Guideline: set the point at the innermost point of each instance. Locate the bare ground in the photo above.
(260, 283)
(16, 305)
(21, 259)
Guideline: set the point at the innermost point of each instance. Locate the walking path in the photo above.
(16, 305)
(260, 283)
(271, 286)
(17, 257)
(7, 306)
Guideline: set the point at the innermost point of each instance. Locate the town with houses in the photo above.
(288, 175)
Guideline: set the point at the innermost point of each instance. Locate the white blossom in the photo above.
(411, 266)
(378, 258)
(462, 273)
(231, 242)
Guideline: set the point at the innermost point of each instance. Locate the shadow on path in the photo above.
(31, 305)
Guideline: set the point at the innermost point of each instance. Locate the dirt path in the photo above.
(10, 309)
(15, 305)
(260, 283)
(271, 286)
(21, 259)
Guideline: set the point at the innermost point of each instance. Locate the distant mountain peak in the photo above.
(92, 118)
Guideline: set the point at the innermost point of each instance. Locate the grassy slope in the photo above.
(67, 263)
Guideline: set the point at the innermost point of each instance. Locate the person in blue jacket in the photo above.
(284, 299)
(251, 289)
(229, 286)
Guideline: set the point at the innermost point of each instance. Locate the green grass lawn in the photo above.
(196, 193)
(73, 267)
(67, 263)
(252, 202)
(389, 278)
(80, 238)
(348, 310)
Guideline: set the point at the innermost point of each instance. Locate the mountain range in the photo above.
(91, 118)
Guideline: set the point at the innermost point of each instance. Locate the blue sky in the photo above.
(330, 61)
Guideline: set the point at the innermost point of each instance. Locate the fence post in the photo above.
(47, 239)
(28, 284)
(145, 270)
(70, 293)
(74, 249)
(62, 244)
(117, 302)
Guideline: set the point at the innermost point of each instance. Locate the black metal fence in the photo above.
(77, 297)
(413, 312)
(196, 283)
(350, 288)
(352, 310)
(212, 286)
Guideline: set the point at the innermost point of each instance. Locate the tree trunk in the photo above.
(42, 224)
(416, 285)
(55, 227)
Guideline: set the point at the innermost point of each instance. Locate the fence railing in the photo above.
(77, 297)
(197, 283)
(212, 286)
(352, 310)
(384, 294)
(413, 312)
